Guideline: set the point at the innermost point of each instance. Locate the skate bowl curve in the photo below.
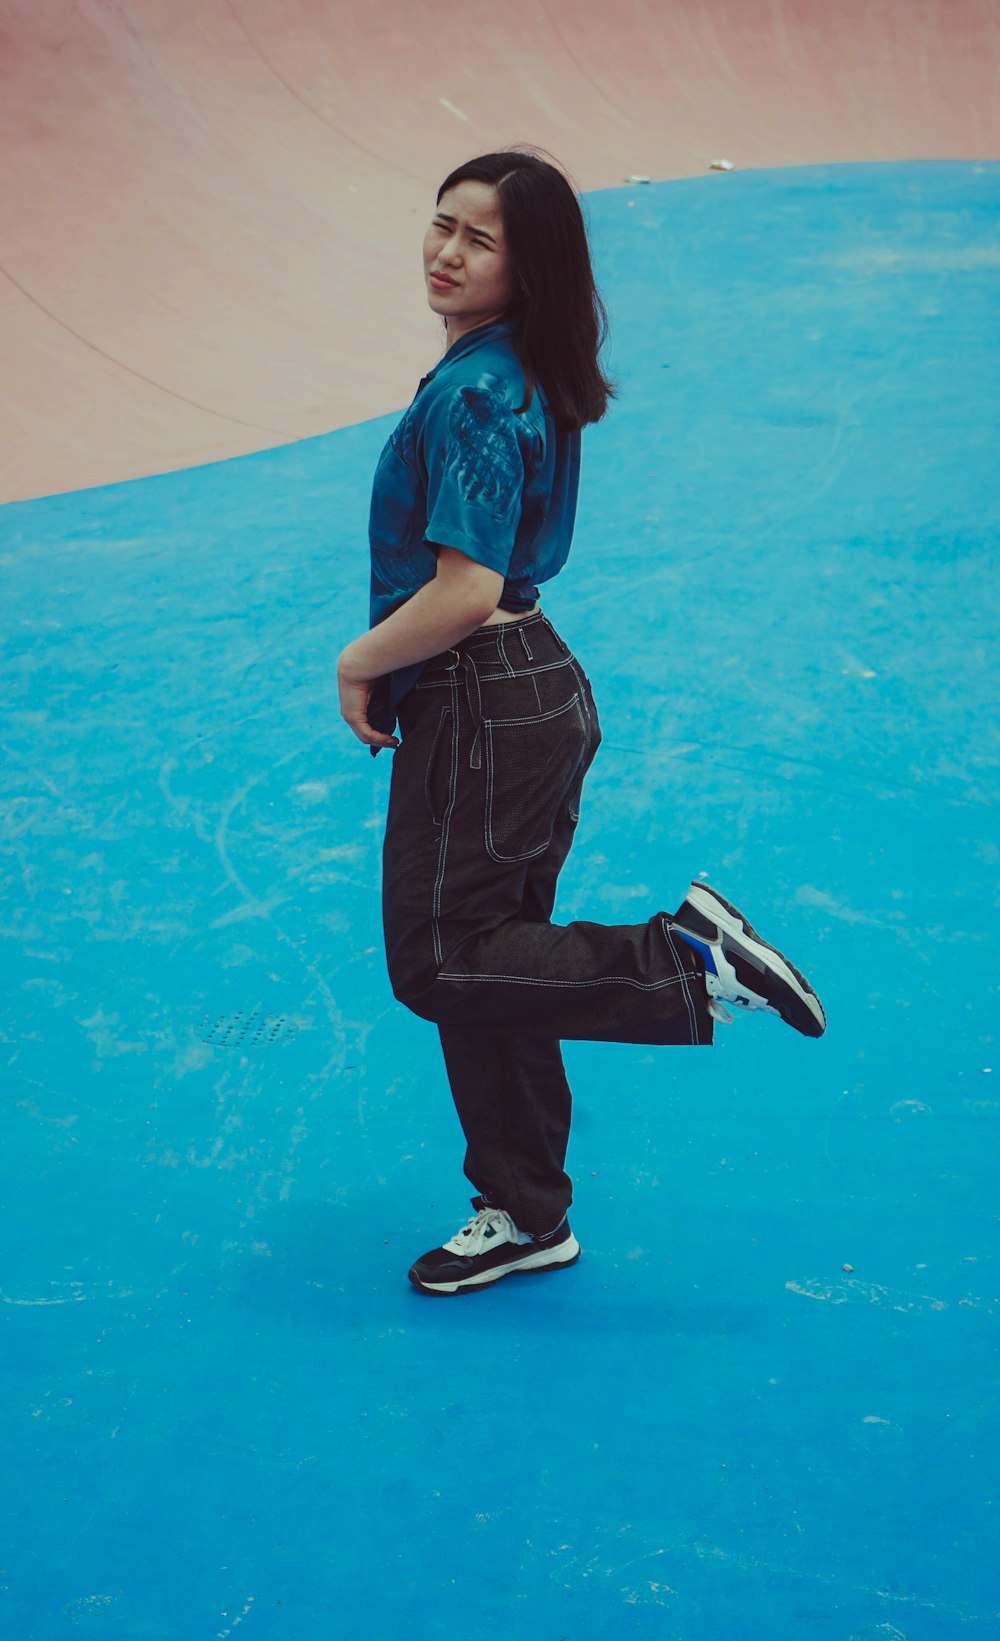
(211, 208)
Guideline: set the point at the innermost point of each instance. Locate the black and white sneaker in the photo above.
(740, 967)
(488, 1248)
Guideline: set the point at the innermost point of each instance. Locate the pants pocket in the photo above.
(436, 789)
(531, 766)
(593, 743)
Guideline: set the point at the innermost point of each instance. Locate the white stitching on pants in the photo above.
(541, 718)
(503, 652)
(683, 977)
(431, 761)
(604, 980)
(526, 672)
(497, 677)
(445, 828)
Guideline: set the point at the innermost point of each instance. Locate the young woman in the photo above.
(473, 505)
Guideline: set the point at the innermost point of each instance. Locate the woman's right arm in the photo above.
(461, 597)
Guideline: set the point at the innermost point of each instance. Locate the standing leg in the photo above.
(510, 1088)
(514, 1104)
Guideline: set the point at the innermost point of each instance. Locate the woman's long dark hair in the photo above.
(560, 321)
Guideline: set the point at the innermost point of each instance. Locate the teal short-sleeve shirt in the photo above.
(463, 469)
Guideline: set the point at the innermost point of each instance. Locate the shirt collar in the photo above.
(473, 339)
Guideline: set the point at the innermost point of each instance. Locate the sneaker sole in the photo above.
(792, 996)
(532, 1265)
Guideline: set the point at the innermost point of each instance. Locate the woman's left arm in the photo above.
(461, 597)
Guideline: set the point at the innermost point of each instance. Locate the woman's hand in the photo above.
(355, 693)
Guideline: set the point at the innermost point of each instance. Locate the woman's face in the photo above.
(467, 266)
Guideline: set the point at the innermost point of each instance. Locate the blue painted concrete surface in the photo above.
(226, 1412)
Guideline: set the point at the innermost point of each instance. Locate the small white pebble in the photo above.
(987, 1070)
(847, 1267)
(721, 165)
(633, 177)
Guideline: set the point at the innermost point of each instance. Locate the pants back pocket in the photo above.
(531, 766)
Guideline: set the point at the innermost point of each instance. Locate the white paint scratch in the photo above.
(571, 1564)
(87, 1604)
(70, 1293)
(877, 259)
(909, 1108)
(68, 1299)
(238, 1619)
(808, 895)
(854, 1291)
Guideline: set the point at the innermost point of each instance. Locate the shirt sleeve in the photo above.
(475, 475)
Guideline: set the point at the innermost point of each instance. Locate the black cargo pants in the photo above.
(497, 737)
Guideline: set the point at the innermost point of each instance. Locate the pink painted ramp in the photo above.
(212, 208)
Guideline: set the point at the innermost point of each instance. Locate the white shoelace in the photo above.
(489, 1226)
